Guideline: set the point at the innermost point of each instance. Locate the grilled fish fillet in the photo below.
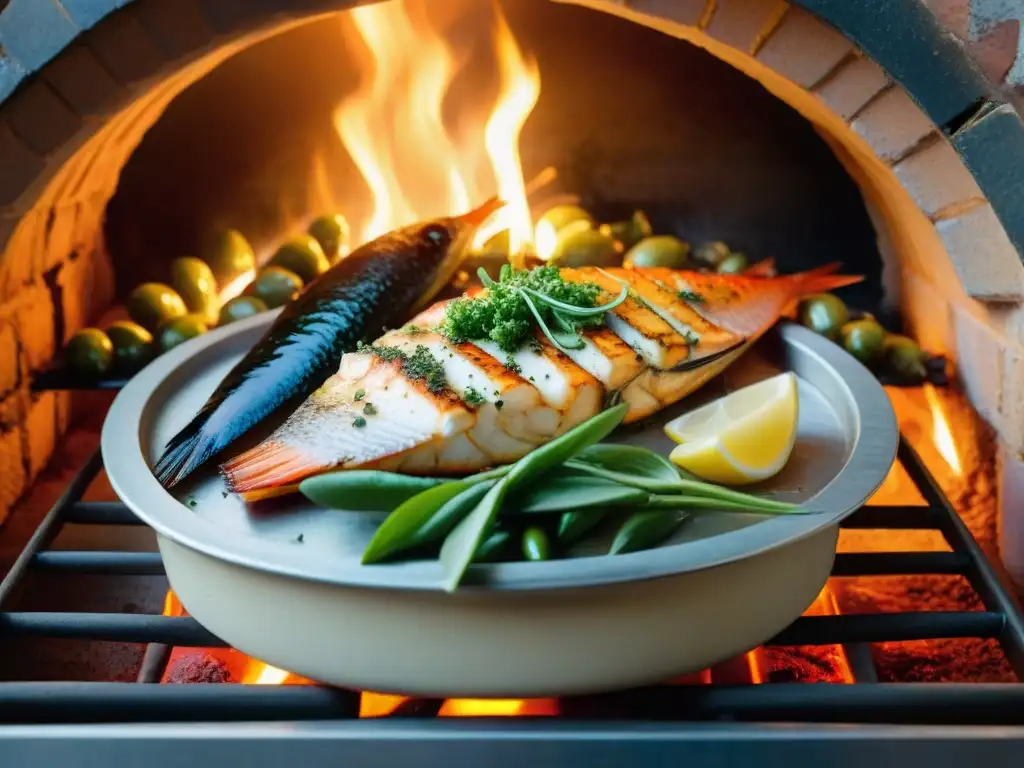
(675, 332)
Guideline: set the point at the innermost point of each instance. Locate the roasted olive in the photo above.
(303, 256)
(561, 215)
(733, 264)
(228, 254)
(153, 304)
(90, 352)
(195, 283)
(904, 358)
(628, 233)
(823, 313)
(535, 543)
(658, 251)
(577, 247)
(133, 346)
(333, 234)
(863, 339)
(712, 254)
(179, 330)
(240, 308)
(275, 286)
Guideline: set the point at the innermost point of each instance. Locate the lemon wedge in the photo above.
(741, 438)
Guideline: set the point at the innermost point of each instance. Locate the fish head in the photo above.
(441, 245)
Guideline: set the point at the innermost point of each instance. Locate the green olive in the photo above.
(333, 233)
(228, 254)
(195, 283)
(560, 215)
(153, 304)
(863, 339)
(275, 286)
(133, 346)
(823, 313)
(904, 358)
(577, 247)
(658, 251)
(179, 330)
(733, 264)
(240, 308)
(303, 256)
(628, 233)
(535, 543)
(90, 353)
(711, 254)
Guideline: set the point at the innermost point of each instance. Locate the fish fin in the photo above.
(821, 282)
(185, 453)
(763, 268)
(267, 467)
(699, 362)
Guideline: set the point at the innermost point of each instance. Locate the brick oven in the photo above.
(885, 134)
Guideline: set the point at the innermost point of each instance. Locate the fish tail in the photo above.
(820, 281)
(185, 453)
(763, 268)
(267, 469)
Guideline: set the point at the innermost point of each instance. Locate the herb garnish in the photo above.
(360, 394)
(359, 422)
(523, 300)
(419, 365)
(512, 366)
(413, 330)
(369, 409)
(472, 397)
(690, 296)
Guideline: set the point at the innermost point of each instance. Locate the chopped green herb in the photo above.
(499, 404)
(472, 397)
(522, 301)
(512, 366)
(414, 330)
(191, 502)
(360, 394)
(299, 539)
(690, 296)
(369, 410)
(359, 422)
(419, 365)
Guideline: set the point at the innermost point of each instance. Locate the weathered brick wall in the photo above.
(70, 70)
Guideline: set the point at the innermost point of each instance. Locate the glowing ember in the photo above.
(392, 125)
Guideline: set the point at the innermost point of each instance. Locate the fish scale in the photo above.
(726, 314)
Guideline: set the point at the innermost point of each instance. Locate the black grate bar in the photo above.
(900, 563)
(116, 627)
(46, 702)
(50, 525)
(154, 663)
(894, 518)
(119, 563)
(894, 627)
(980, 572)
(903, 703)
(101, 513)
(63, 379)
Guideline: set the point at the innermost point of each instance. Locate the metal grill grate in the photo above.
(636, 712)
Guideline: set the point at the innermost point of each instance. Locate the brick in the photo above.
(927, 313)
(1011, 414)
(851, 87)
(34, 318)
(10, 358)
(11, 74)
(13, 407)
(60, 233)
(40, 119)
(979, 363)
(85, 13)
(892, 124)
(737, 23)
(1010, 524)
(686, 12)
(13, 478)
(19, 166)
(41, 427)
(988, 265)
(936, 177)
(803, 49)
(86, 284)
(34, 31)
(80, 79)
(177, 27)
(125, 49)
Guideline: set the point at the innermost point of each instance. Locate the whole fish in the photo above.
(674, 332)
(378, 286)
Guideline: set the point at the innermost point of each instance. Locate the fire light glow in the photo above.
(392, 125)
(942, 435)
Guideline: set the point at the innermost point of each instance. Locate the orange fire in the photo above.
(393, 127)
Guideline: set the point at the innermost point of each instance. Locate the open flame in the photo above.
(942, 435)
(394, 130)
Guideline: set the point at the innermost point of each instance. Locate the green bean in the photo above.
(460, 546)
(573, 526)
(646, 529)
(535, 543)
(364, 490)
(492, 547)
(560, 490)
